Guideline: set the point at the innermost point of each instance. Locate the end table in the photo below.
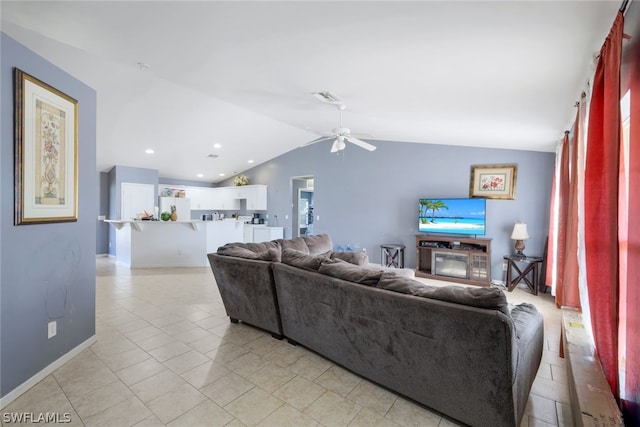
(531, 268)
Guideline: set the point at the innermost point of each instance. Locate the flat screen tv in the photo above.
(452, 216)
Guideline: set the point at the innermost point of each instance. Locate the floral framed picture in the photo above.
(493, 181)
(46, 152)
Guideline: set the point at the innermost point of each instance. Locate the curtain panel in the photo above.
(601, 202)
(630, 232)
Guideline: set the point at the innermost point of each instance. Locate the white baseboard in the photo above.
(22, 388)
(101, 255)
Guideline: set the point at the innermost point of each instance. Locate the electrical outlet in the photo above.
(504, 266)
(102, 217)
(266, 216)
(52, 329)
(317, 217)
(286, 217)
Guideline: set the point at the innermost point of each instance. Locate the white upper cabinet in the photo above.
(227, 198)
(257, 197)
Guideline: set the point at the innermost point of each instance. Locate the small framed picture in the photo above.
(46, 152)
(493, 181)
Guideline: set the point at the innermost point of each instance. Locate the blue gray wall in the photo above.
(47, 271)
(116, 176)
(371, 198)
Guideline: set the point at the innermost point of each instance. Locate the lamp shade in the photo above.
(519, 231)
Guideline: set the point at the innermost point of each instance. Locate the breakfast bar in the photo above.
(151, 244)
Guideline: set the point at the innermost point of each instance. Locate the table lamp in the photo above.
(519, 234)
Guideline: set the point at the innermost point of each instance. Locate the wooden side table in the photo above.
(532, 268)
(392, 255)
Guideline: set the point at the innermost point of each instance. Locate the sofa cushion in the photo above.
(350, 272)
(357, 258)
(301, 260)
(270, 254)
(319, 244)
(297, 243)
(481, 297)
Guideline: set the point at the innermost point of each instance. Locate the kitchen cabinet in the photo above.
(201, 198)
(266, 234)
(227, 198)
(210, 199)
(256, 197)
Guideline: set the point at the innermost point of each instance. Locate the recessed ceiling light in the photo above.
(221, 174)
(250, 161)
(217, 146)
(200, 175)
(149, 151)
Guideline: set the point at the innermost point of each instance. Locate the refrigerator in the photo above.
(183, 207)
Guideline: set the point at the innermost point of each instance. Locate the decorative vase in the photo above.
(174, 214)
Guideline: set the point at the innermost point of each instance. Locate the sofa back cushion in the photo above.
(357, 258)
(350, 272)
(481, 297)
(301, 260)
(319, 244)
(266, 251)
(297, 244)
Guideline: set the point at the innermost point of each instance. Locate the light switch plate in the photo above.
(52, 329)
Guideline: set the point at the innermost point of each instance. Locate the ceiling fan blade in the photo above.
(335, 147)
(322, 138)
(360, 143)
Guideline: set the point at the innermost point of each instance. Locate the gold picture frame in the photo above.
(493, 181)
(46, 152)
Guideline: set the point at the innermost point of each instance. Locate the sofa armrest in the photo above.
(529, 336)
(247, 290)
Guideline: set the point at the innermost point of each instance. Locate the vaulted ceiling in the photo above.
(179, 76)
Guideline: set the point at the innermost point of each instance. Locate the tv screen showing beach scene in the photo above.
(452, 216)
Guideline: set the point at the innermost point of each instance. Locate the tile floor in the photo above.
(166, 354)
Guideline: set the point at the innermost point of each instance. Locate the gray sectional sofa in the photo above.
(245, 279)
(461, 351)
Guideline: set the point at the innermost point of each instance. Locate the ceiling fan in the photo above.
(342, 134)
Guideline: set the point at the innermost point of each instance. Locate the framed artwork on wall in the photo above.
(493, 181)
(46, 152)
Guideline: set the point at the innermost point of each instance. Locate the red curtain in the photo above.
(631, 402)
(570, 296)
(601, 202)
(562, 187)
(566, 261)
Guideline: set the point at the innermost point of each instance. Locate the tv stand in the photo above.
(456, 259)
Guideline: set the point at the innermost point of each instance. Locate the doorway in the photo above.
(302, 206)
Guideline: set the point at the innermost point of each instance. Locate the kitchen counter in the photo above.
(150, 244)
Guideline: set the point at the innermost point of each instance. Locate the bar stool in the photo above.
(392, 255)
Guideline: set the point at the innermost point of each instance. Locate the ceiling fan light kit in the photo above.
(341, 134)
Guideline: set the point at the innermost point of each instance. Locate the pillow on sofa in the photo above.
(270, 254)
(319, 244)
(350, 272)
(481, 297)
(297, 243)
(302, 260)
(357, 258)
